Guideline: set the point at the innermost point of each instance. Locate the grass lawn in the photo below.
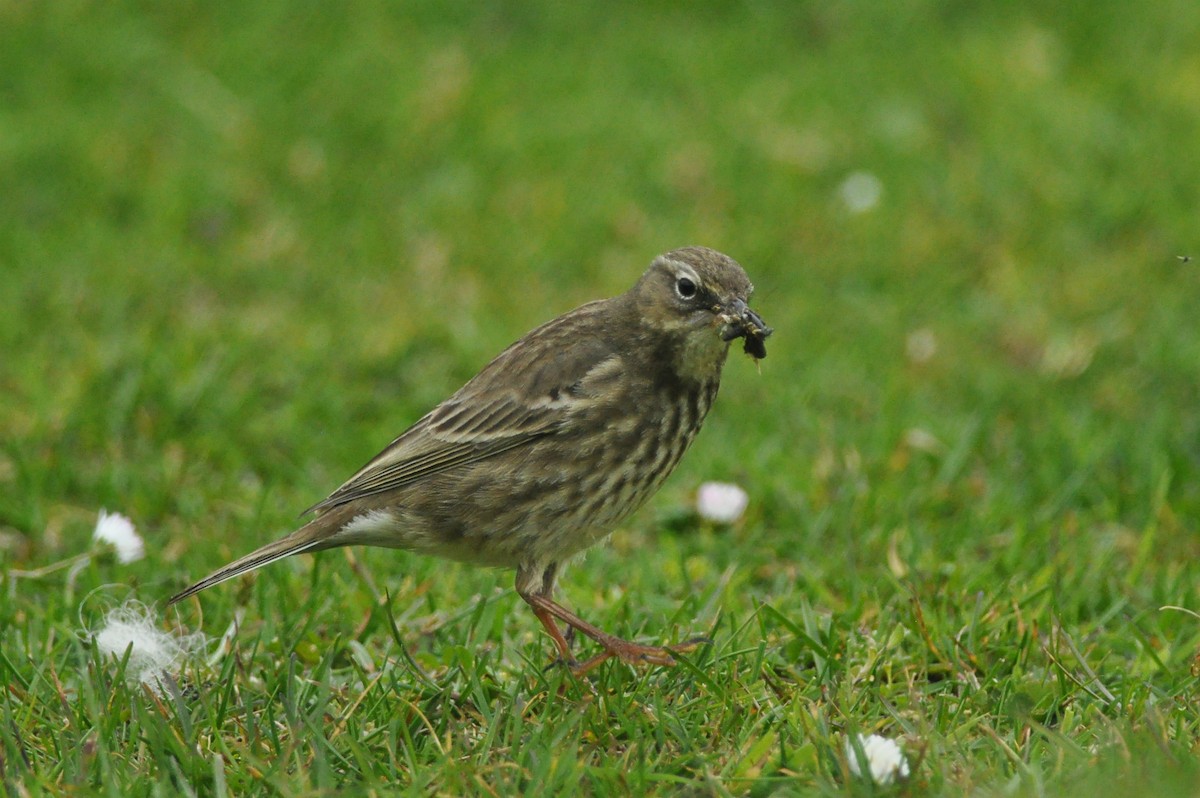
(243, 245)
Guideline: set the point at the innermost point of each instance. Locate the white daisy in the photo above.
(117, 531)
(884, 761)
(721, 502)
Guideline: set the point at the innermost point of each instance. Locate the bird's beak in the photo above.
(739, 321)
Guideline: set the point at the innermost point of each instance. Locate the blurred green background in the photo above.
(243, 245)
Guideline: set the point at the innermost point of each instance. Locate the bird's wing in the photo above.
(428, 449)
(526, 393)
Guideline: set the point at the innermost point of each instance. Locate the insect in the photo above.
(754, 345)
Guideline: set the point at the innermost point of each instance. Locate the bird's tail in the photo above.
(313, 536)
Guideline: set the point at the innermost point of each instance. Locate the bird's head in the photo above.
(700, 296)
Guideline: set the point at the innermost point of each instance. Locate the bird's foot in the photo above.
(635, 653)
(626, 651)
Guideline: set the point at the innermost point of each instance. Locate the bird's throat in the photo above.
(701, 356)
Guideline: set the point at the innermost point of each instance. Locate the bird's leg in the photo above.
(564, 648)
(534, 581)
(535, 588)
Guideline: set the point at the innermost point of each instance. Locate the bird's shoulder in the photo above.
(561, 359)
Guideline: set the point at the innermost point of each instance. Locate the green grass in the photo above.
(242, 245)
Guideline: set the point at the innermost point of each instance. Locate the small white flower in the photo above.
(884, 762)
(721, 502)
(921, 345)
(860, 192)
(922, 440)
(117, 531)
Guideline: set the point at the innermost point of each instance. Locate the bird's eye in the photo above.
(685, 288)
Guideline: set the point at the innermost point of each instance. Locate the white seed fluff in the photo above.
(154, 651)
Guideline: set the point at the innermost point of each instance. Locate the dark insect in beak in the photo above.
(746, 324)
(754, 345)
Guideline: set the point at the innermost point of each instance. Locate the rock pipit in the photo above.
(552, 444)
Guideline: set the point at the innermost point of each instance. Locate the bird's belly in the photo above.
(544, 502)
(549, 507)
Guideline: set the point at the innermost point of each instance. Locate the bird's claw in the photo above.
(690, 645)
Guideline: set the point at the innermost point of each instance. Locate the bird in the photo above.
(551, 445)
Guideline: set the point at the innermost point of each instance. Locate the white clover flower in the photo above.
(884, 761)
(117, 531)
(721, 502)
